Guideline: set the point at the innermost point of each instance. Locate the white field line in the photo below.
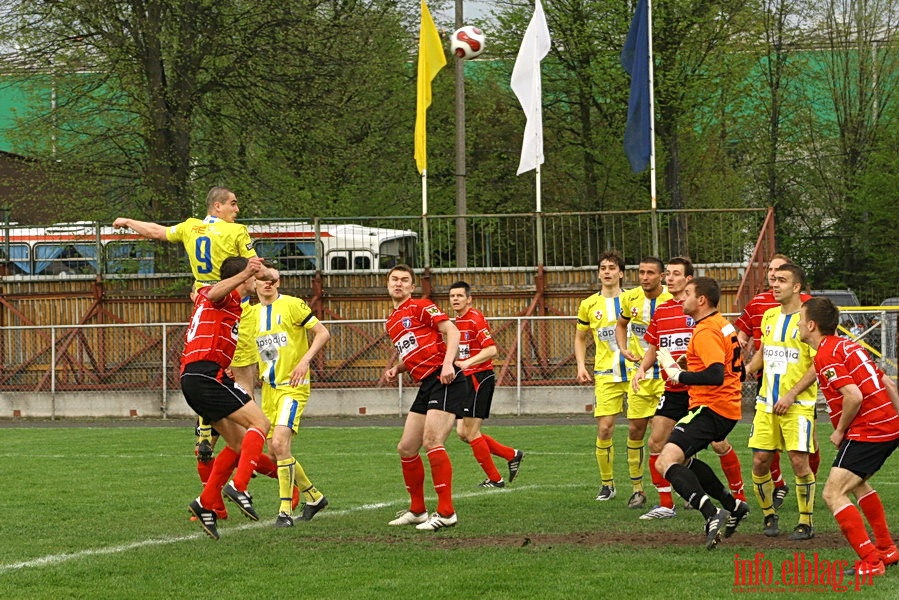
(56, 559)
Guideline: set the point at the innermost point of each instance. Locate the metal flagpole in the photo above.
(652, 138)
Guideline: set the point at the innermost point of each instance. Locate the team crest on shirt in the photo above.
(465, 335)
(691, 322)
(634, 312)
(830, 375)
(487, 335)
(767, 330)
(407, 322)
(597, 315)
(433, 311)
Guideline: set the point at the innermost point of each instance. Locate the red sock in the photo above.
(662, 485)
(250, 449)
(497, 449)
(222, 467)
(442, 475)
(814, 461)
(730, 464)
(481, 452)
(853, 528)
(776, 475)
(414, 476)
(872, 506)
(266, 466)
(203, 470)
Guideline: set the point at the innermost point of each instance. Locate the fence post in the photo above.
(53, 373)
(165, 371)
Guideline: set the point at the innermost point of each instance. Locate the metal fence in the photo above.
(533, 352)
(500, 241)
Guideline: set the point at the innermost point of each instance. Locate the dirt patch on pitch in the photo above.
(829, 540)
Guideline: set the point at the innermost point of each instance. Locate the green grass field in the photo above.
(100, 512)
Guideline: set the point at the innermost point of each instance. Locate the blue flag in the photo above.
(635, 60)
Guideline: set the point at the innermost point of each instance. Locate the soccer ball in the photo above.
(467, 42)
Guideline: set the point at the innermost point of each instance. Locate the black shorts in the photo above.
(673, 405)
(698, 429)
(433, 395)
(480, 394)
(210, 392)
(863, 458)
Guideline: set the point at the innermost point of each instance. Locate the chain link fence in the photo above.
(534, 352)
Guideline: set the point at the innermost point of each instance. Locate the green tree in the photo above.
(156, 100)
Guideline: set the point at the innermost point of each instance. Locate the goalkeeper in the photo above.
(714, 381)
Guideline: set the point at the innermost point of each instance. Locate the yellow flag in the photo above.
(430, 60)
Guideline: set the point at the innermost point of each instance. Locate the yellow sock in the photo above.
(204, 430)
(605, 455)
(310, 494)
(805, 498)
(286, 469)
(635, 463)
(763, 486)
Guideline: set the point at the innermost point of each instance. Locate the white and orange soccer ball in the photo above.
(468, 42)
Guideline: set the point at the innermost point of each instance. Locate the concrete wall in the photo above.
(326, 402)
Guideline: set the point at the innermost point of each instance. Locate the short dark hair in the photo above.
(404, 268)
(653, 260)
(797, 272)
(233, 265)
(683, 261)
(611, 256)
(708, 287)
(461, 285)
(824, 313)
(217, 194)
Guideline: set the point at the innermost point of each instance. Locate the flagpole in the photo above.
(539, 219)
(426, 238)
(652, 138)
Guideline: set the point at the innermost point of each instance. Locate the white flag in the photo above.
(527, 87)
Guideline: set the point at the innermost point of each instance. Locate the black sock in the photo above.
(712, 485)
(686, 484)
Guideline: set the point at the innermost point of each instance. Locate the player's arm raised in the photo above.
(154, 231)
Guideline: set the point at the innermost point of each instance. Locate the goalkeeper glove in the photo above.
(668, 363)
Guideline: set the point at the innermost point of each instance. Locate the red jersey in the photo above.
(413, 329)
(840, 362)
(212, 332)
(715, 341)
(474, 336)
(750, 322)
(671, 329)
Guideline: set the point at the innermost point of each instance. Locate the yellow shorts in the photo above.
(283, 406)
(794, 431)
(644, 403)
(245, 354)
(610, 396)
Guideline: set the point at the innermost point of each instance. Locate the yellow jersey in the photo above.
(638, 309)
(786, 359)
(282, 340)
(208, 243)
(599, 314)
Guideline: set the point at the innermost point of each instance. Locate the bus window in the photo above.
(397, 251)
(361, 262)
(344, 260)
(129, 257)
(65, 259)
(289, 255)
(339, 262)
(18, 262)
